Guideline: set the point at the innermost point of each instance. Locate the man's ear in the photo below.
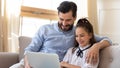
(75, 17)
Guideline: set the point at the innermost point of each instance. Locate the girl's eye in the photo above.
(81, 35)
(76, 35)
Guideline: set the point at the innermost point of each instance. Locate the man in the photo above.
(58, 37)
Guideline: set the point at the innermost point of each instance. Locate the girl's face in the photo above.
(82, 36)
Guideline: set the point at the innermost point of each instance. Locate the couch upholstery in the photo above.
(7, 59)
(23, 42)
(109, 57)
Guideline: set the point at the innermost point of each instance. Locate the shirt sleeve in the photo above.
(36, 42)
(101, 38)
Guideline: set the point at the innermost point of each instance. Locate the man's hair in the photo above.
(67, 6)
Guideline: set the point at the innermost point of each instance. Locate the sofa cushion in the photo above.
(7, 59)
(109, 57)
(23, 42)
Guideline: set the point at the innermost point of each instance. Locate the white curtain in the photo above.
(11, 19)
(1, 46)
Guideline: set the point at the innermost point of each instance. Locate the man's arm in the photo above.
(93, 52)
(34, 46)
(102, 39)
(102, 44)
(26, 63)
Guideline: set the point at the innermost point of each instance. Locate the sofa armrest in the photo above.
(109, 57)
(7, 59)
(24, 41)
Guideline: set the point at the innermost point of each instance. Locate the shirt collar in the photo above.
(82, 48)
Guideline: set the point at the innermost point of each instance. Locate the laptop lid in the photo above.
(43, 60)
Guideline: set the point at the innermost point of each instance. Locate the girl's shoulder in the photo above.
(72, 49)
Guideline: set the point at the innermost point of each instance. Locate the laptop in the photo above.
(43, 60)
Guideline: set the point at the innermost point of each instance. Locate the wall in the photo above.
(92, 14)
(104, 15)
(108, 19)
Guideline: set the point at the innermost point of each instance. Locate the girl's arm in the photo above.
(67, 65)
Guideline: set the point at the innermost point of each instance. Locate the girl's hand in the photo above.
(64, 64)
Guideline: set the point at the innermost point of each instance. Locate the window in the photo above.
(29, 26)
(33, 18)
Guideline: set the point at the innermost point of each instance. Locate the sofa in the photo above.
(7, 59)
(109, 56)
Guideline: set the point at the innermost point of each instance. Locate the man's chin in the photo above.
(65, 29)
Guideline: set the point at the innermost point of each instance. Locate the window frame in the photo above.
(39, 13)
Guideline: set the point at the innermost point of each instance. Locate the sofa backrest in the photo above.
(23, 42)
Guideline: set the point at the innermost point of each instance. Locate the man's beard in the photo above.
(69, 27)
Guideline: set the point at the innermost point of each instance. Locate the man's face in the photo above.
(66, 21)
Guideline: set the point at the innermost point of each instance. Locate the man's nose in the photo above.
(64, 23)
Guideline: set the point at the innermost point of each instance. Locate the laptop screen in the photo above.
(43, 60)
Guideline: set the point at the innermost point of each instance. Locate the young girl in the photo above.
(75, 57)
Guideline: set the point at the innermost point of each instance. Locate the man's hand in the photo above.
(93, 54)
(26, 63)
(27, 66)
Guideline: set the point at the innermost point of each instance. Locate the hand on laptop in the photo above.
(67, 65)
(26, 62)
(27, 66)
